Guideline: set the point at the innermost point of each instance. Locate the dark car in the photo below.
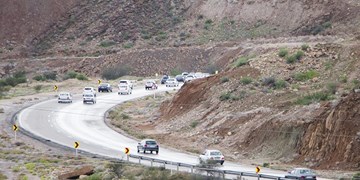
(148, 145)
(105, 87)
(180, 78)
(164, 78)
(301, 174)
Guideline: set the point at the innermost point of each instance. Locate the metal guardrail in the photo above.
(192, 168)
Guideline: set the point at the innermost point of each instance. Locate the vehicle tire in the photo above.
(138, 150)
(221, 163)
(84, 102)
(157, 152)
(144, 151)
(151, 152)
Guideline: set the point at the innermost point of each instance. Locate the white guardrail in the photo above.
(196, 169)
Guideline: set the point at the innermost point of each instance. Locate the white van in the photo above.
(124, 89)
(126, 82)
(89, 97)
(65, 97)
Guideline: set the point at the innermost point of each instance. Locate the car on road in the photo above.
(148, 145)
(150, 84)
(189, 78)
(180, 78)
(124, 89)
(212, 157)
(88, 90)
(104, 87)
(164, 79)
(89, 97)
(65, 97)
(171, 82)
(301, 174)
(126, 82)
(184, 74)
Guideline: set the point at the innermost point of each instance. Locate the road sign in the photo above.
(76, 144)
(56, 88)
(15, 128)
(99, 81)
(257, 169)
(127, 150)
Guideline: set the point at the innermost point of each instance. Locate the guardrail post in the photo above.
(164, 165)
(139, 160)
(152, 162)
(177, 167)
(258, 176)
(192, 169)
(223, 174)
(127, 158)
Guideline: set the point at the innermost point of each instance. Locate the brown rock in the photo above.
(85, 170)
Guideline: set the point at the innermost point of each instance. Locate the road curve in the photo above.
(66, 123)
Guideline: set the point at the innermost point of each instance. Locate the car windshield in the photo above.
(171, 79)
(88, 95)
(64, 94)
(215, 153)
(103, 84)
(87, 89)
(123, 86)
(151, 142)
(165, 77)
(305, 171)
(123, 82)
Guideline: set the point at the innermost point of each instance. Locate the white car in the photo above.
(171, 82)
(124, 89)
(126, 82)
(65, 97)
(89, 97)
(189, 78)
(89, 90)
(212, 156)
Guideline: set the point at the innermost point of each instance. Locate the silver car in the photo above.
(212, 156)
(171, 82)
(302, 174)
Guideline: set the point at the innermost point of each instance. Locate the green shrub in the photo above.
(175, 72)
(128, 45)
(279, 84)
(283, 52)
(3, 176)
(225, 96)
(11, 81)
(30, 166)
(246, 80)
(115, 72)
(50, 75)
(356, 84)
(356, 176)
(95, 176)
(312, 98)
(124, 116)
(267, 165)
(305, 47)
(268, 81)
(39, 78)
(211, 68)
(194, 124)
(241, 61)
(304, 76)
(208, 24)
(161, 36)
(343, 78)
(299, 55)
(327, 25)
(291, 59)
(331, 88)
(107, 43)
(70, 75)
(224, 79)
(38, 88)
(81, 77)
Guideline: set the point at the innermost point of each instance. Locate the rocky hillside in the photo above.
(303, 112)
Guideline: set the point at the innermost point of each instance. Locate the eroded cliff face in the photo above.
(333, 139)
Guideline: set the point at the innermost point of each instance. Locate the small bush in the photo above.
(312, 98)
(30, 166)
(225, 96)
(81, 77)
(291, 59)
(327, 25)
(107, 43)
(343, 78)
(331, 88)
(268, 81)
(299, 55)
(246, 80)
(3, 176)
(224, 79)
(211, 68)
(175, 72)
(241, 61)
(194, 124)
(95, 176)
(128, 45)
(356, 84)
(70, 75)
(356, 176)
(161, 36)
(39, 78)
(280, 84)
(115, 72)
(305, 75)
(124, 116)
(305, 47)
(38, 88)
(50, 75)
(267, 165)
(208, 24)
(283, 52)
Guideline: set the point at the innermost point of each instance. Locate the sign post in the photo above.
(257, 170)
(56, 88)
(127, 152)
(15, 128)
(76, 146)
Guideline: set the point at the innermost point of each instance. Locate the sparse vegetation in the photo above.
(268, 81)
(115, 72)
(242, 61)
(291, 59)
(356, 84)
(246, 80)
(225, 96)
(343, 78)
(50, 75)
(224, 79)
(107, 43)
(161, 36)
(194, 124)
(283, 52)
(305, 47)
(70, 75)
(304, 76)
(299, 55)
(39, 78)
(313, 98)
(38, 88)
(331, 88)
(125, 116)
(267, 165)
(280, 84)
(356, 176)
(208, 24)
(128, 45)
(81, 77)
(175, 72)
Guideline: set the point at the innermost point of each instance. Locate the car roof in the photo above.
(87, 87)
(212, 150)
(148, 140)
(302, 169)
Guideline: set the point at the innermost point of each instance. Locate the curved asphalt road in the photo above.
(66, 123)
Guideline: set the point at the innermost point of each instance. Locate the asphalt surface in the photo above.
(84, 123)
